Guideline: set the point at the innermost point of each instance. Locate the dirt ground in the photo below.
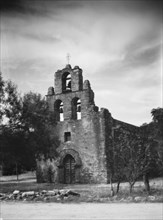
(84, 211)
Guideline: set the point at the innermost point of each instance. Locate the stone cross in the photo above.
(68, 58)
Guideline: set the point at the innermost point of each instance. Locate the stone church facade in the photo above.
(85, 133)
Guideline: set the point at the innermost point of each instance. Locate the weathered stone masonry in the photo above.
(84, 132)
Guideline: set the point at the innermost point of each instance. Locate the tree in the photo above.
(117, 157)
(157, 116)
(134, 156)
(38, 121)
(2, 83)
(118, 165)
(26, 129)
(148, 132)
(141, 156)
(13, 150)
(11, 107)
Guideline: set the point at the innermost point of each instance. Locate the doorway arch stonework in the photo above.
(77, 163)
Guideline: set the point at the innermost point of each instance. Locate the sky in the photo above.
(118, 45)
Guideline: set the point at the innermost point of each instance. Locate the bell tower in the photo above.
(78, 128)
(70, 98)
(68, 80)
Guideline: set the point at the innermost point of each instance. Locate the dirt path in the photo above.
(43, 211)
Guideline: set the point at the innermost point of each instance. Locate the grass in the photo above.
(29, 176)
(29, 186)
(88, 192)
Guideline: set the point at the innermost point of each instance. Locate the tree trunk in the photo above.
(131, 186)
(1, 170)
(16, 169)
(146, 182)
(111, 187)
(118, 184)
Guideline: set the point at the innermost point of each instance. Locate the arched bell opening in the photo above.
(66, 82)
(76, 108)
(58, 110)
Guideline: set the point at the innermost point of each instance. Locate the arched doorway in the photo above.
(69, 169)
(69, 166)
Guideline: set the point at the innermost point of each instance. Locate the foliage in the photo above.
(157, 114)
(12, 105)
(37, 121)
(26, 129)
(154, 130)
(11, 135)
(134, 156)
(1, 96)
(14, 153)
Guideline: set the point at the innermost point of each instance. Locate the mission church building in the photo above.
(85, 133)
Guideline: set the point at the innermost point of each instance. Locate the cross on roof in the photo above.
(68, 58)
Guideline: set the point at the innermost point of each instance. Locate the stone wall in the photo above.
(88, 140)
(123, 133)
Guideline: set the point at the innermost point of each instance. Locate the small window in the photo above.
(67, 136)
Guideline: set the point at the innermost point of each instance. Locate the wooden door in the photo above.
(69, 169)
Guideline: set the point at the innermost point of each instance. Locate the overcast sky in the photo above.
(116, 43)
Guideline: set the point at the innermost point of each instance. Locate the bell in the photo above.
(69, 85)
(61, 110)
(79, 108)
